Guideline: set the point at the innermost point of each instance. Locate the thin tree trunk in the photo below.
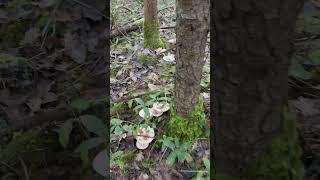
(251, 59)
(151, 35)
(150, 10)
(191, 34)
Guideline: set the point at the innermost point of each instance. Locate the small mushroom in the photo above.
(161, 106)
(144, 137)
(142, 113)
(142, 145)
(156, 112)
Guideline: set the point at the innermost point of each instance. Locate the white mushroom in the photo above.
(155, 112)
(144, 137)
(142, 113)
(142, 145)
(161, 106)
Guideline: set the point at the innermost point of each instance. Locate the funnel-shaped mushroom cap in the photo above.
(144, 137)
(161, 106)
(142, 113)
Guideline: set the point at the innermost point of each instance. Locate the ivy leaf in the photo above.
(90, 143)
(171, 159)
(64, 132)
(93, 124)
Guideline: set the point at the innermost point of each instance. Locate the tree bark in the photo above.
(150, 10)
(191, 34)
(251, 57)
(151, 35)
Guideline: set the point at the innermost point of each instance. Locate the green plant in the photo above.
(92, 124)
(187, 129)
(203, 175)
(120, 159)
(117, 128)
(178, 151)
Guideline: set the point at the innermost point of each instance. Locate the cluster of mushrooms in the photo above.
(146, 135)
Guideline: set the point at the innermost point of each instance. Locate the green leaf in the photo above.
(188, 157)
(181, 155)
(139, 101)
(64, 132)
(171, 159)
(150, 102)
(116, 122)
(118, 131)
(90, 143)
(153, 96)
(130, 103)
(297, 70)
(186, 146)
(93, 124)
(206, 163)
(147, 113)
(167, 143)
(138, 107)
(80, 104)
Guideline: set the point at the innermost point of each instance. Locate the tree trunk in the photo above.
(151, 35)
(251, 59)
(191, 34)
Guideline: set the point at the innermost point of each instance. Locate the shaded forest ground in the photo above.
(65, 145)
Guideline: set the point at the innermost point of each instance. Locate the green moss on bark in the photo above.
(187, 129)
(283, 158)
(151, 36)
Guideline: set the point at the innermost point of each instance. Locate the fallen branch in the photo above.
(124, 30)
(129, 28)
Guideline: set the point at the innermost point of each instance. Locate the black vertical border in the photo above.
(108, 87)
(212, 93)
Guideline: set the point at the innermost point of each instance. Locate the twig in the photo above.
(151, 149)
(193, 171)
(165, 150)
(25, 169)
(10, 167)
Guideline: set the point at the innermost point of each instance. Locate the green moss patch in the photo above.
(151, 36)
(282, 160)
(190, 128)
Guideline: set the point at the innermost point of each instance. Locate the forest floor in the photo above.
(138, 82)
(68, 148)
(135, 83)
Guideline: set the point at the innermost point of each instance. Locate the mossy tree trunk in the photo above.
(191, 34)
(252, 54)
(151, 35)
